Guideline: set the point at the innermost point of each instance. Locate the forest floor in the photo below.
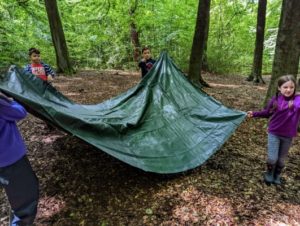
(80, 185)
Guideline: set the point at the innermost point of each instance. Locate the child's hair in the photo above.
(33, 50)
(145, 48)
(281, 80)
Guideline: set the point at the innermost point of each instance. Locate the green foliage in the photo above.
(232, 35)
(23, 26)
(98, 32)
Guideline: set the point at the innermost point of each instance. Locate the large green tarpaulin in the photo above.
(164, 124)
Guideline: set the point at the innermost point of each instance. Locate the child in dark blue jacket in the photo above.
(16, 175)
(146, 62)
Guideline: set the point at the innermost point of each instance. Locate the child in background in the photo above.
(41, 70)
(16, 175)
(284, 110)
(37, 67)
(147, 62)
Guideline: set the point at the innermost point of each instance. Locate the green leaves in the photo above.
(98, 32)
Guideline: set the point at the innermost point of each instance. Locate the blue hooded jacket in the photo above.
(12, 146)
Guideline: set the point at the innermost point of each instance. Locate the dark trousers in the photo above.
(21, 186)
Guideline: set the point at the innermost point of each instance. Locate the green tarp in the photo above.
(164, 124)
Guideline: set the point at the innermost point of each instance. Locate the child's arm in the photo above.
(249, 114)
(6, 98)
(296, 102)
(143, 67)
(142, 63)
(49, 72)
(27, 69)
(266, 112)
(11, 110)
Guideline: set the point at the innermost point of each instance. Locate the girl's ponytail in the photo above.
(275, 103)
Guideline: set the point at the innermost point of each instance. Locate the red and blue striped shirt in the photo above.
(41, 70)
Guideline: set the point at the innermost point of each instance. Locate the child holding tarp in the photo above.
(16, 175)
(41, 70)
(146, 62)
(37, 67)
(284, 112)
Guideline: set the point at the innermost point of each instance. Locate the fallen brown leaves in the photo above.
(81, 185)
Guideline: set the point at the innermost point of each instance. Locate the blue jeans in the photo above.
(278, 148)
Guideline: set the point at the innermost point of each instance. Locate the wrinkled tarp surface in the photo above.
(164, 124)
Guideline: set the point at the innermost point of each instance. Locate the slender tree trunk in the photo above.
(205, 66)
(287, 51)
(135, 42)
(58, 38)
(199, 43)
(259, 43)
(134, 35)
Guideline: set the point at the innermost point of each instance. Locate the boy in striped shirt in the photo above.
(37, 67)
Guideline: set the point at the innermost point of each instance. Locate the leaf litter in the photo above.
(80, 185)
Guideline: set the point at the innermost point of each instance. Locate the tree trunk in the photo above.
(135, 42)
(134, 35)
(259, 43)
(287, 51)
(205, 66)
(58, 38)
(199, 43)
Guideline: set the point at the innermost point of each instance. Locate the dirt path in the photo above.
(84, 186)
